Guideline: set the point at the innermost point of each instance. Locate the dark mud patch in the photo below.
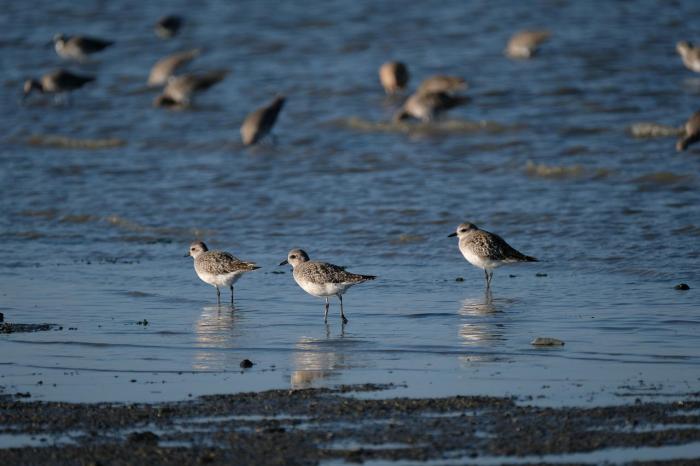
(7, 327)
(312, 425)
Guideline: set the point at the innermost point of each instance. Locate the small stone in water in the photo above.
(546, 341)
(459, 279)
(682, 286)
(246, 364)
(540, 275)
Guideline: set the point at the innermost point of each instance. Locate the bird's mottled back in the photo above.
(220, 262)
(323, 272)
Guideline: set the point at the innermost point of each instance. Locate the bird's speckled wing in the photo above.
(322, 272)
(493, 247)
(219, 262)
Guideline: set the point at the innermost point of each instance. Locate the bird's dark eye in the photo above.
(292, 256)
(462, 230)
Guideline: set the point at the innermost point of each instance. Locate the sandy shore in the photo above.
(333, 425)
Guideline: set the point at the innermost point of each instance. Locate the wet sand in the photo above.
(340, 425)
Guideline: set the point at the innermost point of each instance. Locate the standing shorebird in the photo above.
(691, 132)
(690, 55)
(166, 67)
(180, 89)
(427, 106)
(486, 250)
(525, 44)
(394, 76)
(78, 47)
(168, 26)
(218, 268)
(260, 122)
(321, 279)
(56, 82)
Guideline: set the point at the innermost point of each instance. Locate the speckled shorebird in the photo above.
(168, 26)
(321, 279)
(56, 82)
(427, 106)
(690, 55)
(691, 132)
(260, 122)
(180, 89)
(486, 250)
(218, 268)
(394, 76)
(524, 44)
(442, 83)
(78, 47)
(166, 67)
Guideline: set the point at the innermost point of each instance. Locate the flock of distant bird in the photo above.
(435, 95)
(178, 90)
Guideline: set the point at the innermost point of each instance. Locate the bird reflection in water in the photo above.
(316, 359)
(215, 334)
(482, 326)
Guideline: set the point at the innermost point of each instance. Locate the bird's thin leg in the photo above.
(489, 280)
(488, 297)
(342, 314)
(325, 314)
(218, 295)
(486, 274)
(231, 295)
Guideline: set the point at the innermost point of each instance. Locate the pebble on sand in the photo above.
(246, 364)
(546, 341)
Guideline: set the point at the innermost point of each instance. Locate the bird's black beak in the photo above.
(284, 262)
(453, 234)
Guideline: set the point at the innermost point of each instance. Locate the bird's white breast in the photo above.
(224, 280)
(322, 289)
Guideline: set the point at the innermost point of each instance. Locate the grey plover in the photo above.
(260, 122)
(78, 47)
(180, 89)
(690, 55)
(525, 44)
(394, 76)
(427, 106)
(218, 268)
(56, 82)
(486, 250)
(166, 67)
(442, 83)
(322, 279)
(168, 26)
(691, 132)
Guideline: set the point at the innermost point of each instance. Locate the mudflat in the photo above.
(343, 424)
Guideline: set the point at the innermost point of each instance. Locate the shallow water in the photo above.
(101, 197)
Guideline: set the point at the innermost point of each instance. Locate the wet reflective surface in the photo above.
(93, 227)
